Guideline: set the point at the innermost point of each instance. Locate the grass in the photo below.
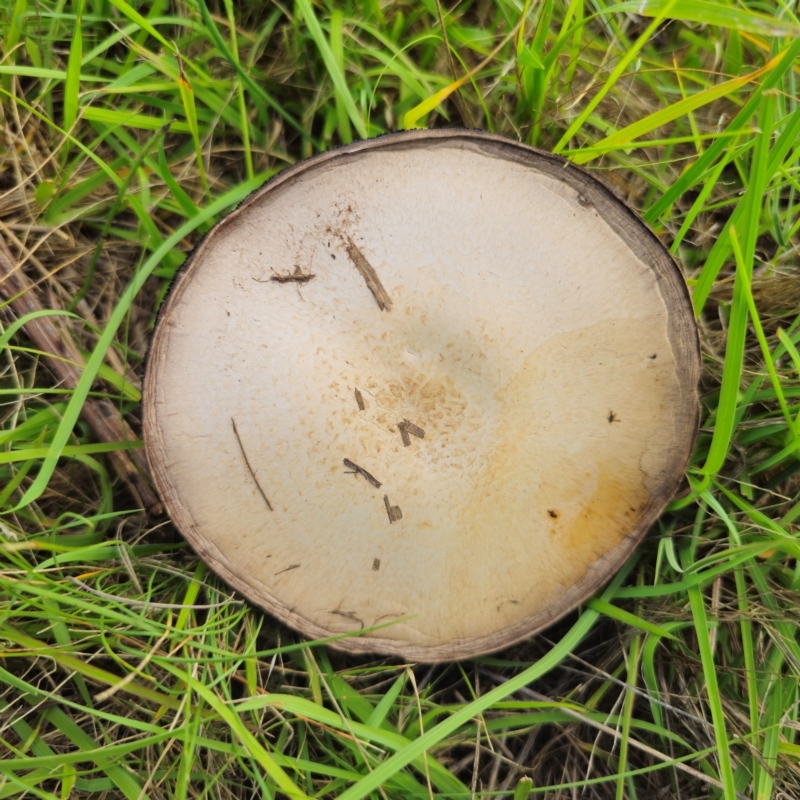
(126, 669)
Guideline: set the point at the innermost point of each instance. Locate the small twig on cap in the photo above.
(369, 275)
(394, 512)
(252, 472)
(361, 471)
(298, 276)
(407, 427)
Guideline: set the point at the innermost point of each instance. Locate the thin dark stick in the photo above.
(295, 277)
(404, 434)
(252, 472)
(369, 275)
(361, 471)
(394, 512)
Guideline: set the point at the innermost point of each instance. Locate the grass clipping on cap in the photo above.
(127, 670)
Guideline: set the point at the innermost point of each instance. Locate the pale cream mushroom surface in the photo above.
(437, 383)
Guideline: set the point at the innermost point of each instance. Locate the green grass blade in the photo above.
(14, 30)
(523, 789)
(256, 90)
(77, 665)
(72, 83)
(186, 203)
(737, 325)
(134, 16)
(705, 12)
(773, 715)
(132, 119)
(378, 716)
(634, 654)
(741, 274)
(746, 627)
(716, 258)
(337, 48)
(33, 453)
(245, 121)
(780, 65)
(627, 618)
(123, 778)
(675, 111)
(259, 753)
(712, 691)
(334, 71)
(190, 109)
(620, 68)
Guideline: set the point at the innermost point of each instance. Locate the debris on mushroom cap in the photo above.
(430, 388)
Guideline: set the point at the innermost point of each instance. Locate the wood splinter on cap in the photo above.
(369, 275)
(252, 472)
(298, 276)
(407, 427)
(360, 400)
(361, 471)
(394, 512)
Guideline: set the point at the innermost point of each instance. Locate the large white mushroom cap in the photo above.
(436, 382)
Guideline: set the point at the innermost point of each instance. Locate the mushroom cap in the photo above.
(430, 388)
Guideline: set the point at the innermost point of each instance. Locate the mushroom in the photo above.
(428, 389)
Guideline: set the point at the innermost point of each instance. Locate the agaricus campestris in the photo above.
(431, 388)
